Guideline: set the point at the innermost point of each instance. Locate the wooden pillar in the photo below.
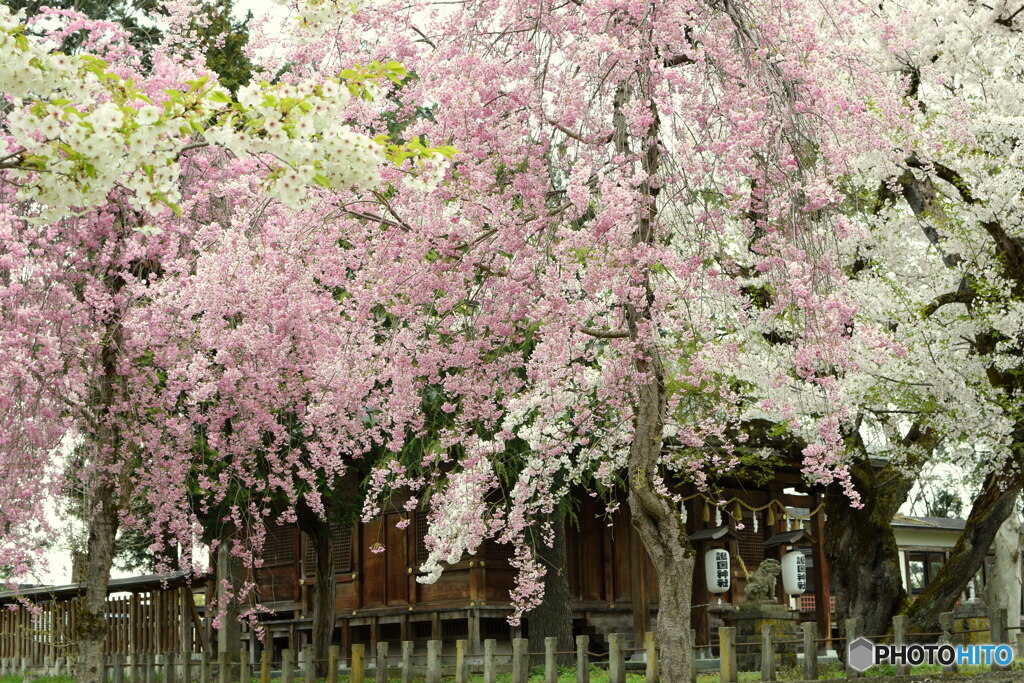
(461, 669)
(382, 662)
(407, 648)
(653, 673)
(435, 625)
(309, 664)
(288, 666)
(490, 672)
(550, 666)
(433, 661)
(265, 662)
(333, 653)
(520, 668)
(357, 665)
(582, 659)
(899, 637)
(727, 644)
(245, 667)
(229, 635)
(616, 659)
(822, 596)
(853, 627)
(701, 596)
(768, 652)
(810, 651)
(474, 629)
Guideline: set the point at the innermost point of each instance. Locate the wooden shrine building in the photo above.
(612, 583)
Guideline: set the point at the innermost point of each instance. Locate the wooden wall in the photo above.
(146, 621)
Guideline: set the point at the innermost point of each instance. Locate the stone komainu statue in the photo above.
(761, 583)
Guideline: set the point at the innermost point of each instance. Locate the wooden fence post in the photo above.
(550, 667)
(520, 670)
(693, 655)
(810, 650)
(118, 673)
(151, 668)
(244, 667)
(899, 637)
(168, 667)
(288, 666)
(265, 661)
(433, 661)
(461, 665)
(357, 665)
(310, 664)
(997, 631)
(852, 633)
(382, 661)
(946, 624)
(490, 675)
(332, 664)
(727, 654)
(651, 649)
(224, 667)
(582, 659)
(407, 648)
(204, 668)
(186, 666)
(997, 625)
(616, 662)
(768, 653)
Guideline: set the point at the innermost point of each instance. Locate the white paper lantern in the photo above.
(717, 570)
(794, 573)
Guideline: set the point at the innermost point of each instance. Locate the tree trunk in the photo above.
(991, 508)
(319, 533)
(553, 617)
(673, 557)
(91, 624)
(658, 520)
(870, 587)
(656, 517)
(105, 503)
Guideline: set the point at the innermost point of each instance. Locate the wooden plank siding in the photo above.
(39, 624)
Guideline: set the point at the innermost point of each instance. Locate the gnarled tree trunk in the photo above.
(860, 546)
(553, 617)
(991, 508)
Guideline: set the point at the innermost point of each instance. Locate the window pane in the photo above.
(915, 575)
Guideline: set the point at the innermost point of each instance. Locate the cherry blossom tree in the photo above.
(649, 192)
(124, 193)
(943, 260)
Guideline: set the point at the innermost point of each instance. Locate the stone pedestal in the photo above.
(749, 619)
(971, 615)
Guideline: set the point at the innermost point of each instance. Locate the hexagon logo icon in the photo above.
(860, 654)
